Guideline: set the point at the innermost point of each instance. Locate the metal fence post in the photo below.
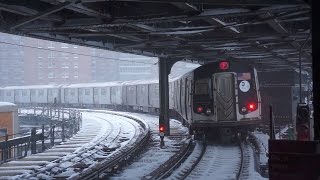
(63, 130)
(272, 133)
(52, 136)
(42, 142)
(33, 141)
(6, 149)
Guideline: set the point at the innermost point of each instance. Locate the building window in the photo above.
(51, 64)
(50, 75)
(64, 45)
(8, 93)
(51, 45)
(3, 132)
(51, 55)
(76, 77)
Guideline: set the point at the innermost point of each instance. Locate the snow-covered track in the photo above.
(217, 162)
(166, 169)
(123, 155)
(190, 163)
(102, 139)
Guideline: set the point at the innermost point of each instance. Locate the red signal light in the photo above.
(251, 106)
(224, 65)
(200, 109)
(162, 128)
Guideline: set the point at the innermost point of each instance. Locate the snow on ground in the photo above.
(187, 164)
(253, 174)
(154, 155)
(218, 162)
(263, 146)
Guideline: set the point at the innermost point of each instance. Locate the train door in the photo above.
(224, 96)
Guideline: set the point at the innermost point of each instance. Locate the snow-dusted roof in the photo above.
(8, 107)
(104, 84)
(31, 87)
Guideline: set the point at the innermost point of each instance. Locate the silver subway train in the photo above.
(220, 96)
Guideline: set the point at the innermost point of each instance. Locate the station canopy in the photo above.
(267, 33)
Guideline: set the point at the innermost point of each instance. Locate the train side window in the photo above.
(72, 93)
(201, 87)
(40, 93)
(50, 92)
(86, 92)
(95, 91)
(103, 92)
(24, 92)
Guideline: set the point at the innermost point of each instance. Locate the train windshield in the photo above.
(202, 87)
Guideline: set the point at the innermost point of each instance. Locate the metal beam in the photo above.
(220, 2)
(24, 11)
(81, 9)
(43, 14)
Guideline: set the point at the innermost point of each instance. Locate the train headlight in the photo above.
(243, 109)
(208, 111)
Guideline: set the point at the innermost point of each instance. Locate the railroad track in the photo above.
(215, 161)
(94, 150)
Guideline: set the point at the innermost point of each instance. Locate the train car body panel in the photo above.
(142, 95)
(71, 95)
(116, 95)
(101, 95)
(8, 95)
(154, 95)
(54, 96)
(86, 95)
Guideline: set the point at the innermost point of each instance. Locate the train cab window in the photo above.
(244, 76)
(202, 87)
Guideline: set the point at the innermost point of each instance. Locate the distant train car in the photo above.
(70, 95)
(8, 94)
(220, 96)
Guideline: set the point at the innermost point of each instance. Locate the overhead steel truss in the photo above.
(267, 33)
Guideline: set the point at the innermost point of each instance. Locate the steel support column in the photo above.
(316, 72)
(164, 70)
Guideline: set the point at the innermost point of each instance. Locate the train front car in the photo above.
(226, 99)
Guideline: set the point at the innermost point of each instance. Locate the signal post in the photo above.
(165, 66)
(300, 159)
